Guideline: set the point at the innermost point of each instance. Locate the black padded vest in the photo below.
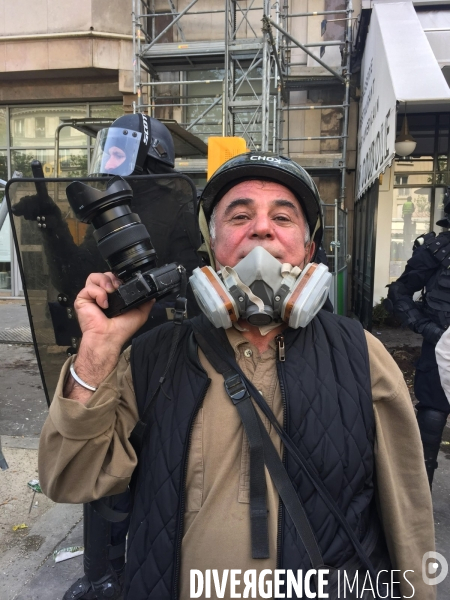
(325, 383)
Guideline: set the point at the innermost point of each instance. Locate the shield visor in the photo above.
(115, 151)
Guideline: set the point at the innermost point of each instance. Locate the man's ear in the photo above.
(311, 250)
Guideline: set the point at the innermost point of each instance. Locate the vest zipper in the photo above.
(280, 347)
(280, 373)
(179, 538)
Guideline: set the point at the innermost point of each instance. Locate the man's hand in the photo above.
(30, 207)
(103, 338)
(93, 322)
(432, 333)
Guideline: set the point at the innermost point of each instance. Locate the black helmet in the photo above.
(266, 166)
(125, 147)
(445, 222)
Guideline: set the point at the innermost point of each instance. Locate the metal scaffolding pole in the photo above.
(265, 84)
(347, 74)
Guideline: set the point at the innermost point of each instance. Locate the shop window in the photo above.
(19, 127)
(3, 139)
(410, 218)
(39, 127)
(106, 111)
(21, 161)
(438, 208)
(73, 163)
(32, 136)
(5, 234)
(36, 125)
(419, 187)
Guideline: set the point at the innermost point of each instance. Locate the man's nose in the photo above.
(262, 227)
(111, 163)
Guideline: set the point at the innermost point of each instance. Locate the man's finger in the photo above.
(108, 281)
(93, 293)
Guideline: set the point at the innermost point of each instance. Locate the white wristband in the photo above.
(80, 381)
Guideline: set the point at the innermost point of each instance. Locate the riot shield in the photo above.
(56, 253)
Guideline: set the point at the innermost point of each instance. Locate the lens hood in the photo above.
(86, 200)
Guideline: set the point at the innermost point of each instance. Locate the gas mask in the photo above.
(262, 291)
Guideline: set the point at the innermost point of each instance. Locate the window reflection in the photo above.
(410, 218)
(3, 139)
(5, 234)
(21, 161)
(36, 126)
(72, 162)
(32, 136)
(438, 209)
(106, 111)
(414, 165)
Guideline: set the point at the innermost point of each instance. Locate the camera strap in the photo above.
(207, 334)
(261, 449)
(239, 396)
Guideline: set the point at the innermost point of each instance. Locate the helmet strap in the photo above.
(204, 229)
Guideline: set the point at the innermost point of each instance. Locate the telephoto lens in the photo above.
(124, 243)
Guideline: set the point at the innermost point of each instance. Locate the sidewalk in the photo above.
(27, 569)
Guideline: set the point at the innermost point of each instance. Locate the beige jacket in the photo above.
(85, 454)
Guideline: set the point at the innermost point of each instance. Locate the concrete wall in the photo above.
(81, 62)
(23, 17)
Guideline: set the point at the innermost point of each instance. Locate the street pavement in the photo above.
(27, 568)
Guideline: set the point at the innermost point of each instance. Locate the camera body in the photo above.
(124, 243)
(143, 286)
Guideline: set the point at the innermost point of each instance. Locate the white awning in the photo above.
(398, 66)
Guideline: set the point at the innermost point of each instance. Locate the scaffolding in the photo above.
(244, 93)
(252, 75)
(251, 78)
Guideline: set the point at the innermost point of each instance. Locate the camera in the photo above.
(124, 243)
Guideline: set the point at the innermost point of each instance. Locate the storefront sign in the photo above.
(377, 116)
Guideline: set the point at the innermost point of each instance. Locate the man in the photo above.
(134, 144)
(427, 271)
(331, 386)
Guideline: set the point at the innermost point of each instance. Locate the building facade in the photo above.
(58, 60)
(276, 74)
(405, 63)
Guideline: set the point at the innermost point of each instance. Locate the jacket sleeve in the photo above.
(84, 451)
(403, 494)
(419, 269)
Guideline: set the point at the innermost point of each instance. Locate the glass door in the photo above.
(364, 255)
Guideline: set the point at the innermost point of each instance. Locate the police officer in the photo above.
(428, 270)
(133, 145)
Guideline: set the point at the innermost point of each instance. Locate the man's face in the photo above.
(258, 213)
(116, 158)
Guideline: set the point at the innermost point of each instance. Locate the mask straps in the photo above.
(204, 229)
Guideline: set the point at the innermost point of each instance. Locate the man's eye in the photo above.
(240, 217)
(282, 218)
